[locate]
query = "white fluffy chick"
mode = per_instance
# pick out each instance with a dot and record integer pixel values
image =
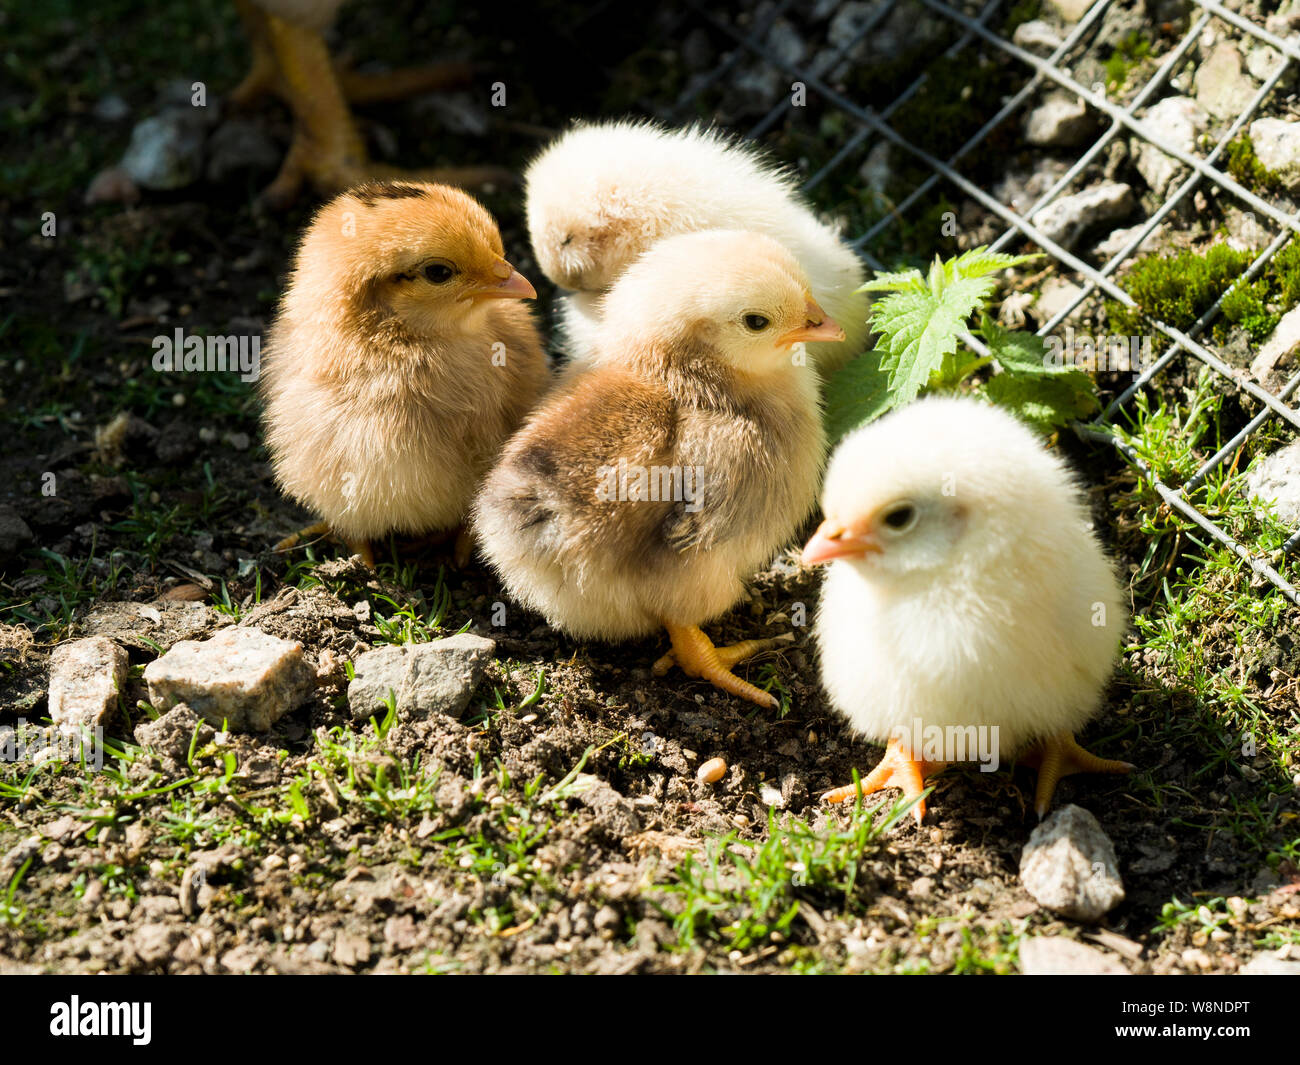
(965, 588)
(603, 193)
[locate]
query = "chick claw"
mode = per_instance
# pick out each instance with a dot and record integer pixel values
(1061, 756)
(897, 769)
(695, 653)
(322, 528)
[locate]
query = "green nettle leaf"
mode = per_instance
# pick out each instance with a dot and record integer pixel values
(919, 328)
(1046, 402)
(920, 321)
(1019, 352)
(857, 394)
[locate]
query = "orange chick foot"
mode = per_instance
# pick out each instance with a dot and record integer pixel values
(694, 652)
(897, 769)
(1061, 756)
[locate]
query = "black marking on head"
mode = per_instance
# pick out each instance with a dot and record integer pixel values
(373, 191)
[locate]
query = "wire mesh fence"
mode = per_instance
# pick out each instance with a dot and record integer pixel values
(965, 41)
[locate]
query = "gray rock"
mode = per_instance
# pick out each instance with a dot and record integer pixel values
(1059, 956)
(1275, 360)
(111, 108)
(240, 146)
(1267, 965)
(1065, 220)
(170, 735)
(1036, 36)
(1222, 87)
(1069, 866)
(424, 678)
(85, 679)
(1276, 479)
(166, 150)
(1263, 60)
(1277, 145)
(15, 534)
(1060, 121)
(1178, 120)
(876, 169)
(242, 676)
(1119, 239)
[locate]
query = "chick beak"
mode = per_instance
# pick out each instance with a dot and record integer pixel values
(507, 283)
(834, 539)
(818, 325)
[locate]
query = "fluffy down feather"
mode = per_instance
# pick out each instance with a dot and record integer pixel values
(388, 394)
(603, 193)
(995, 606)
(681, 384)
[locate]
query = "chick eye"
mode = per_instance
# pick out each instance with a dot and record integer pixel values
(757, 322)
(438, 272)
(900, 517)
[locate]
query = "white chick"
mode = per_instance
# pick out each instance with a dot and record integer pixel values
(603, 193)
(965, 589)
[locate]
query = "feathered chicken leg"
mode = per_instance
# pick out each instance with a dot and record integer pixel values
(695, 653)
(897, 769)
(327, 151)
(1061, 756)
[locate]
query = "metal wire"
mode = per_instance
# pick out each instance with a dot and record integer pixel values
(871, 124)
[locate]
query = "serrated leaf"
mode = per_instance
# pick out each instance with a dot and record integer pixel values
(856, 395)
(918, 329)
(1019, 352)
(903, 280)
(1045, 402)
(979, 262)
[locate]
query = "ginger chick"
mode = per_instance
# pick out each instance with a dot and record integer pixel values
(400, 361)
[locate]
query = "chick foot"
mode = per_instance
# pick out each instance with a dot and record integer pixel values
(1061, 756)
(327, 151)
(695, 653)
(322, 529)
(897, 769)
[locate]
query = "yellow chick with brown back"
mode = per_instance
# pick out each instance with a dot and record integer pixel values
(643, 493)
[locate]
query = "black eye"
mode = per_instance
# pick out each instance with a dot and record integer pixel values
(757, 322)
(901, 516)
(438, 273)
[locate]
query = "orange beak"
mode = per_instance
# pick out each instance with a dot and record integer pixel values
(818, 325)
(833, 539)
(509, 284)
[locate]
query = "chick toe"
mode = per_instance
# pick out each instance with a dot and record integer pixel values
(897, 769)
(696, 655)
(310, 532)
(1061, 756)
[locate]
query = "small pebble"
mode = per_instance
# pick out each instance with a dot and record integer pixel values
(711, 771)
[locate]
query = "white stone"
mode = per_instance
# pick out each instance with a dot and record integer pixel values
(1036, 36)
(1222, 87)
(1060, 121)
(1064, 220)
(1059, 956)
(1070, 11)
(1069, 866)
(86, 677)
(423, 678)
(241, 676)
(1177, 120)
(1276, 479)
(1277, 146)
